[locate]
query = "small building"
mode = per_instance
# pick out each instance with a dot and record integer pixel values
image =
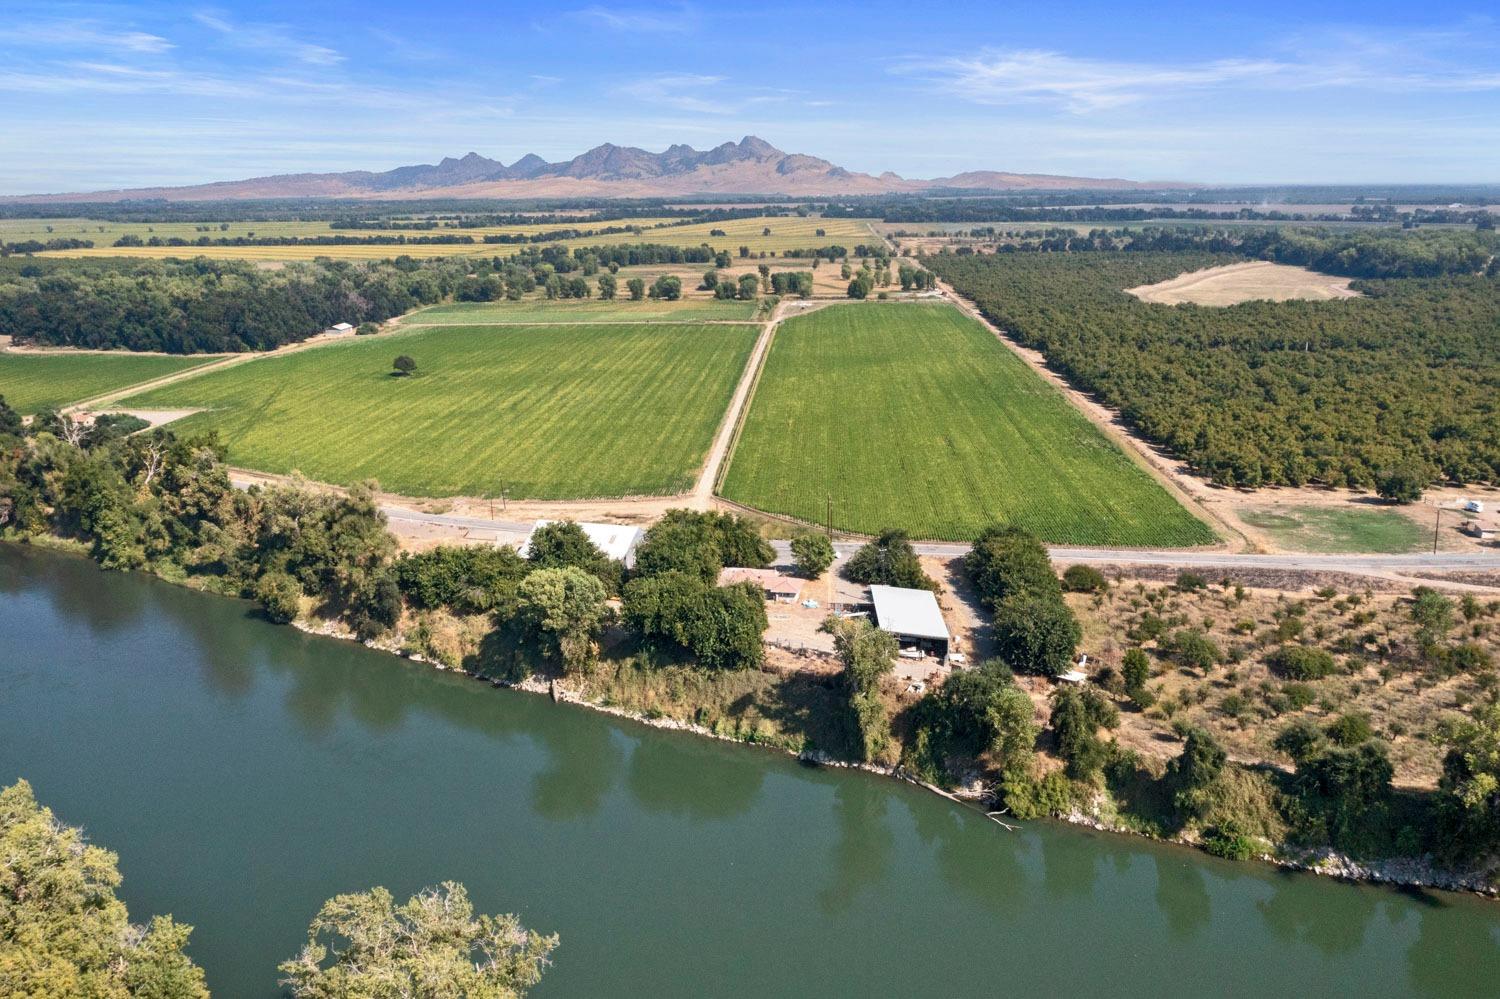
(913, 616)
(777, 587)
(339, 329)
(1475, 529)
(617, 541)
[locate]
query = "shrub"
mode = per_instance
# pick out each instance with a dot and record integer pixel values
(1194, 648)
(366, 329)
(1084, 579)
(889, 560)
(1229, 842)
(1350, 729)
(404, 365)
(280, 596)
(1190, 582)
(1301, 662)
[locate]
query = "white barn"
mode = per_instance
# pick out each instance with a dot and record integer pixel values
(913, 616)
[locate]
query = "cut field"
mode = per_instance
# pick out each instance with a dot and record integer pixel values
(915, 416)
(33, 382)
(544, 412)
(787, 233)
(535, 311)
(1337, 529)
(1256, 280)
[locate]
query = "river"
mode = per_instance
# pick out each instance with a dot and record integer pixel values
(245, 772)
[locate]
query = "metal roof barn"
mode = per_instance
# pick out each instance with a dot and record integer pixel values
(910, 615)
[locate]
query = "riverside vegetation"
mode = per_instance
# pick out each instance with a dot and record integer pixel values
(65, 933)
(684, 648)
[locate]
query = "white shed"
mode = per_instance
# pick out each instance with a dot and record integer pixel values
(913, 616)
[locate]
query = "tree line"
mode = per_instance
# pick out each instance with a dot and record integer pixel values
(1402, 383)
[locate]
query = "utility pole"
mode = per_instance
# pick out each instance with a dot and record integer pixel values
(830, 517)
(1436, 521)
(504, 497)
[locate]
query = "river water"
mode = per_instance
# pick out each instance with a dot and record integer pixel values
(245, 772)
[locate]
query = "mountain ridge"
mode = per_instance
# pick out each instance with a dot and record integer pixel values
(750, 166)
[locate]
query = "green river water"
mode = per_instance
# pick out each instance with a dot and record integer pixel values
(245, 772)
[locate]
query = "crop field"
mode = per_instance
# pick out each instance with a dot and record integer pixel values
(791, 233)
(595, 310)
(786, 234)
(1250, 281)
(915, 416)
(33, 382)
(544, 412)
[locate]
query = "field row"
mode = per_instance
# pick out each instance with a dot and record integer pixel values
(33, 382)
(545, 412)
(915, 416)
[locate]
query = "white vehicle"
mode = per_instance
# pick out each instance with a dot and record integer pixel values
(1474, 506)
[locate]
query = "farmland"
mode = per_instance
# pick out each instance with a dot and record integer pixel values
(914, 416)
(543, 412)
(33, 382)
(588, 310)
(787, 233)
(1250, 281)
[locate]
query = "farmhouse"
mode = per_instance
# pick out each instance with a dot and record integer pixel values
(913, 616)
(777, 587)
(615, 540)
(339, 329)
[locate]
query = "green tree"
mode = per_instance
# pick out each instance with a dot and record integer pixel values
(1193, 774)
(1077, 716)
(1469, 789)
(404, 365)
(868, 656)
(608, 286)
(1136, 670)
(566, 609)
(1006, 560)
(1403, 483)
(280, 596)
(1084, 579)
(1036, 634)
(889, 560)
(668, 288)
(813, 554)
(364, 945)
(563, 543)
(63, 932)
(637, 288)
(973, 712)
(749, 287)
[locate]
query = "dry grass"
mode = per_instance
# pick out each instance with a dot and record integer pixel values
(1258, 280)
(1371, 635)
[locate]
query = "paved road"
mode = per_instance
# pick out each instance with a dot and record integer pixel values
(1357, 564)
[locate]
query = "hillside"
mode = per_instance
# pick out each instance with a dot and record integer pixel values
(750, 166)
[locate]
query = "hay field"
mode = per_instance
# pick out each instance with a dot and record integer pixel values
(914, 416)
(791, 233)
(33, 382)
(547, 412)
(1256, 280)
(620, 310)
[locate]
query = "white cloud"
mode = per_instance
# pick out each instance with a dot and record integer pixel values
(683, 91)
(651, 20)
(83, 34)
(1082, 85)
(269, 38)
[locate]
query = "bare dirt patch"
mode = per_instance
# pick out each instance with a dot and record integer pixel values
(1256, 280)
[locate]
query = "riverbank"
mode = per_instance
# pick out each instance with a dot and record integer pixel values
(738, 706)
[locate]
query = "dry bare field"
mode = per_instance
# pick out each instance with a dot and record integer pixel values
(1256, 280)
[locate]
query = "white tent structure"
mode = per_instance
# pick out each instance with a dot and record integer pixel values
(913, 616)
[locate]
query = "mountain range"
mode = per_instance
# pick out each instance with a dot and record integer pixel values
(750, 166)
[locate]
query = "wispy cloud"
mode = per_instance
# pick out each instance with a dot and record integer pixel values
(1083, 85)
(82, 34)
(639, 20)
(703, 93)
(272, 39)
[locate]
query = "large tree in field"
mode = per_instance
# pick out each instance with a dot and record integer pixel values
(63, 932)
(430, 947)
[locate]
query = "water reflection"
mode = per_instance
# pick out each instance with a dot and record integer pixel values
(582, 765)
(1457, 951)
(693, 779)
(1291, 920)
(997, 878)
(865, 849)
(1181, 894)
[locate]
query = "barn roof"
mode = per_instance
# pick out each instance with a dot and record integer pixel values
(913, 613)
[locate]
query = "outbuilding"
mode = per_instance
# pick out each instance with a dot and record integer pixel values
(339, 329)
(776, 586)
(913, 616)
(617, 541)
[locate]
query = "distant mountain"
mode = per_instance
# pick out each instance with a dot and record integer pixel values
(750, 166)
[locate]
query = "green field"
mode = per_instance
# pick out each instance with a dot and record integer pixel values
(533, 311)
(546, 412)
(1338, 529)
(915, 416)
(32, 382)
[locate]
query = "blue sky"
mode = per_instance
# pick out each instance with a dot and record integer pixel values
(96, 95)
